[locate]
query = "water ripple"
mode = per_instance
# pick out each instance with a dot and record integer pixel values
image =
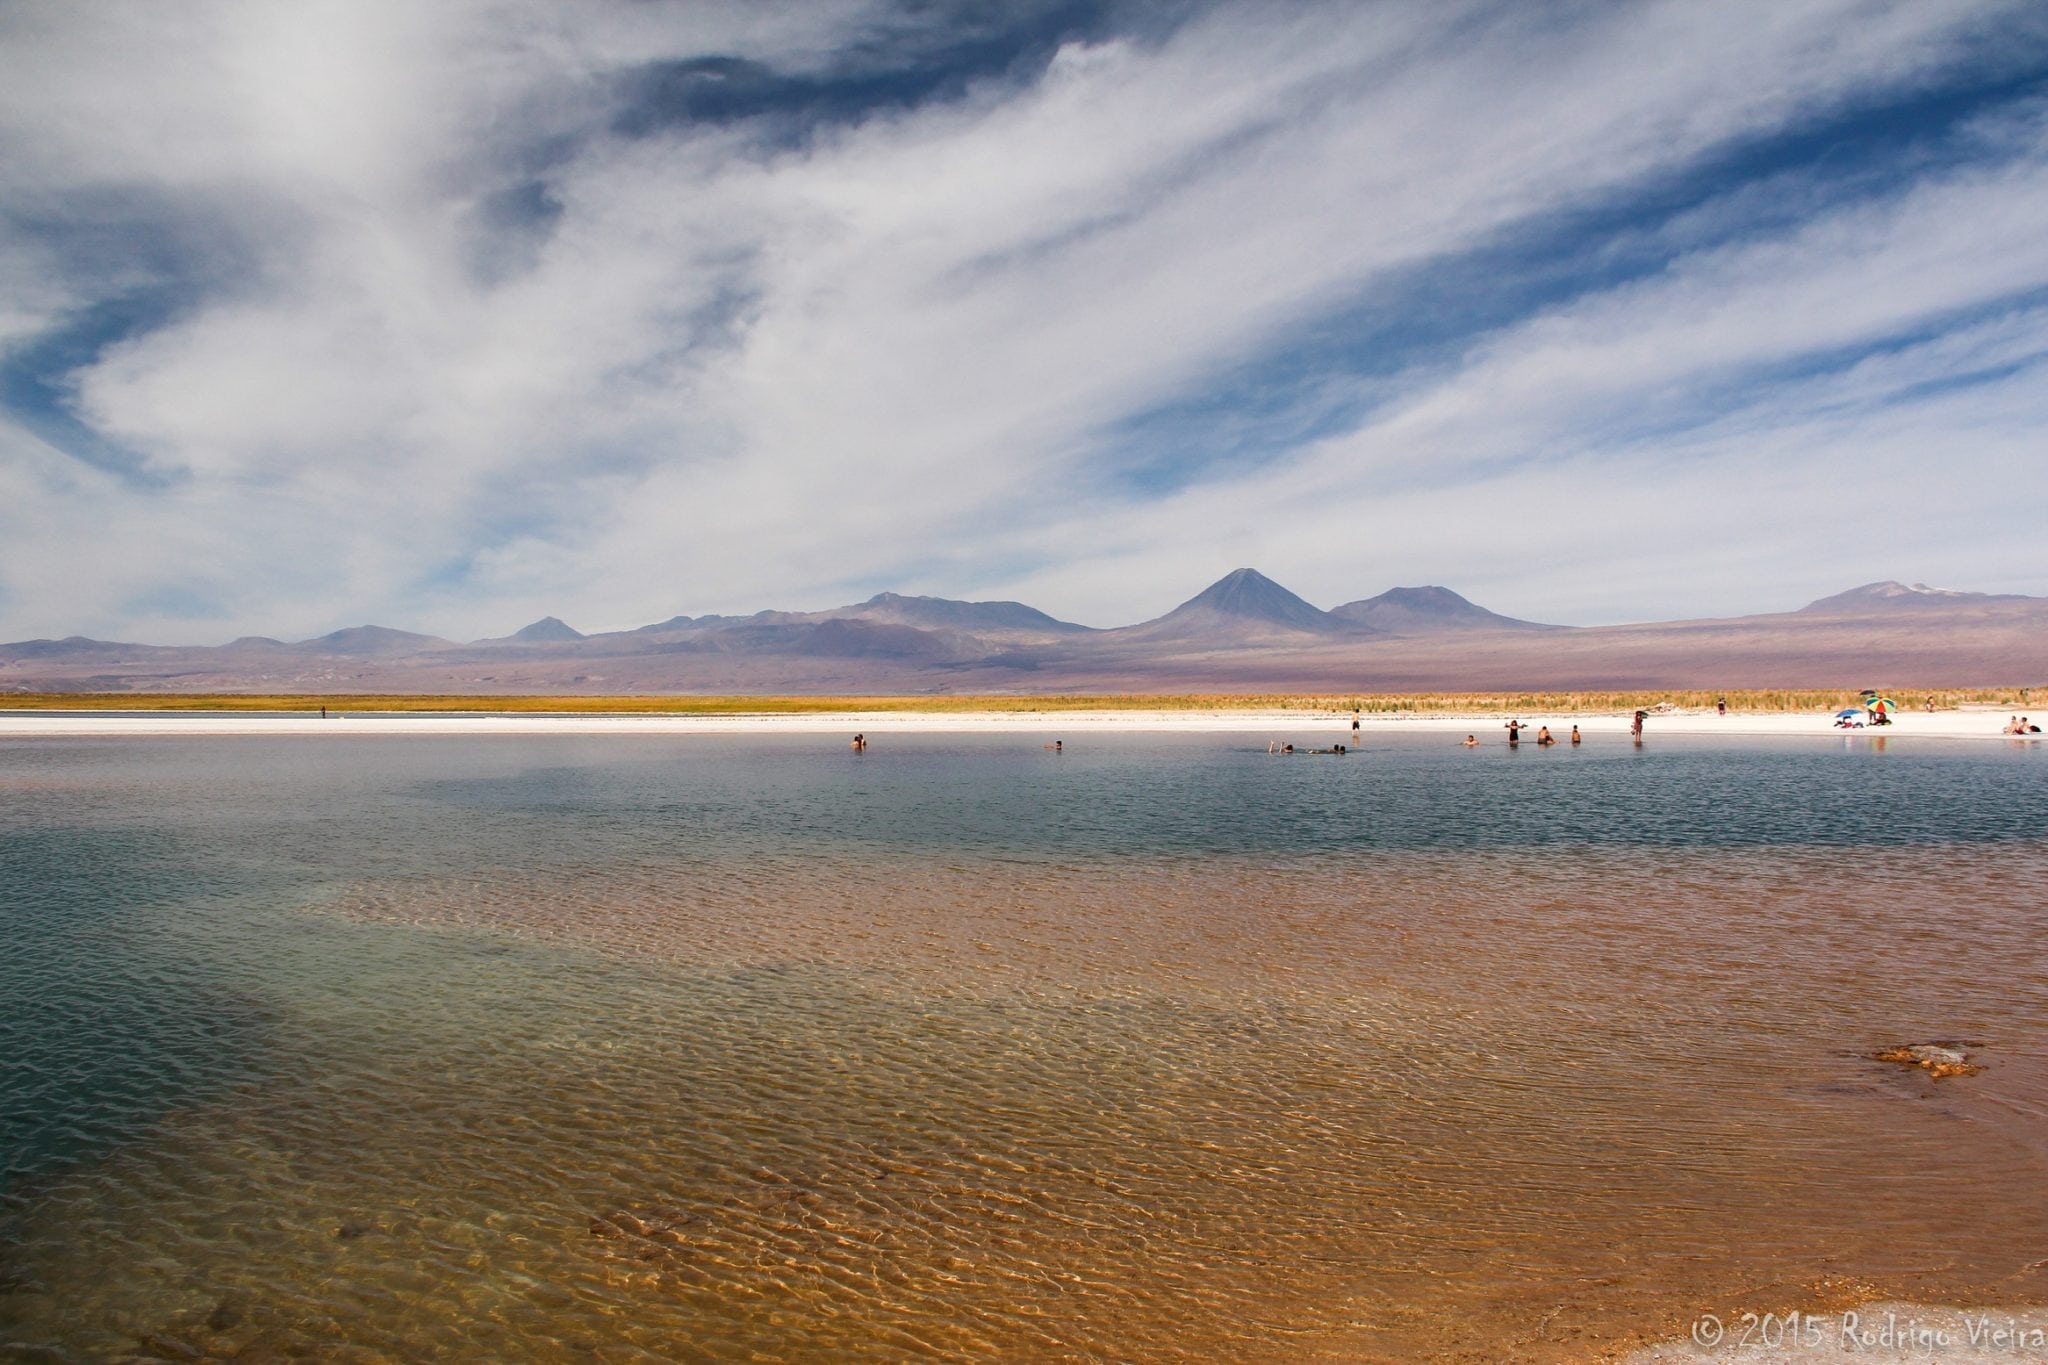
(361, 1061)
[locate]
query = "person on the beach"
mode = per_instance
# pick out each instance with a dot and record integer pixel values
(1721, 706)
(1575, 734)
(2012, 726)
(1514, 732)
(1635, 728)
(1543, 735)
(1471, 741)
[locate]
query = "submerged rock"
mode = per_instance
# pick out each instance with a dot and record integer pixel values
(164, 1346)
(1938, 1060)
(227, 1314)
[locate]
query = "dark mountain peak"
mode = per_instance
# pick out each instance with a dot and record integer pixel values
(373, 640)
(1249, 593)
(547, 630)
(1427, 610)
(1237, 609)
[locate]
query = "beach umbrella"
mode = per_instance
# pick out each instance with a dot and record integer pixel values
(1849, 713)
(1880, 705)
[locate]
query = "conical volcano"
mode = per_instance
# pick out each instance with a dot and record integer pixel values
(1242, 605)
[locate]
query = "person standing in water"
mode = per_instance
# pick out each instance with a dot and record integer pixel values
(1635, 728)
(1575, 734)
(1514, 732)
(860, 744)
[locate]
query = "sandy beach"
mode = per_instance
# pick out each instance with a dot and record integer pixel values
(1317, 726)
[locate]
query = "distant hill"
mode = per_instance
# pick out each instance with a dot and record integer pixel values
(1242, 603)
(1244, 632)
(831, 638)
(549, 630)
(71, 647)
(1427, 611)
(373, 641)
(1892, 595)
(944, 613)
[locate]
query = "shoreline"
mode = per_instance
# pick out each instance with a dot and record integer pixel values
(1319, 726)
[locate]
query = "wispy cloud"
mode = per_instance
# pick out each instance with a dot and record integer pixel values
(450, 316)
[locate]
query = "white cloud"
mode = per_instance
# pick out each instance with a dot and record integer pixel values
(712, 371)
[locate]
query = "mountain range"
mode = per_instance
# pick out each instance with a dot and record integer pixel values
(1244, 632)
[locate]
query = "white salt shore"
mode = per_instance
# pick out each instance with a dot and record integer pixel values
(1297, 726)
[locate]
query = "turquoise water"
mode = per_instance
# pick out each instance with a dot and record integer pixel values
(707, 1046)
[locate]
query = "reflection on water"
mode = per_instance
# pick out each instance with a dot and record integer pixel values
(488, 1050)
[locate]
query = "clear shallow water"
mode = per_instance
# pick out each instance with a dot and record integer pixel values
(709, 1047)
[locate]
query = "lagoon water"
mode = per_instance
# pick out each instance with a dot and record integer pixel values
(1160, 1048)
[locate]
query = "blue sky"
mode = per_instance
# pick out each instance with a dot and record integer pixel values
(450, 316)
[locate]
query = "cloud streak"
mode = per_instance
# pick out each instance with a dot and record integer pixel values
(451, 316)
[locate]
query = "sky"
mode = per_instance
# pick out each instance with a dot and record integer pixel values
(450, 316)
